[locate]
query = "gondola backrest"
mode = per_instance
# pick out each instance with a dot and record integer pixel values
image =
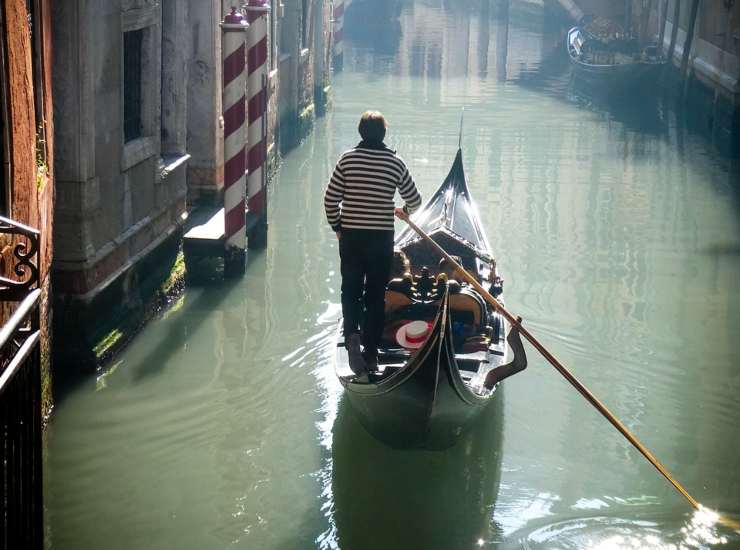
(467, 306)
(398, 293)
(395, 300)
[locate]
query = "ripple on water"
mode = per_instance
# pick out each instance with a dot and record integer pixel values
(699, 531)
(223, 424)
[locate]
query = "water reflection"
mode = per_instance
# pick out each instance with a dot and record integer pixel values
(375, 25)
(698, 532)
(616, 228)
(385, 498)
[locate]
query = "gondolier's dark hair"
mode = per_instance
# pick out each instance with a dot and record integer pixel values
(372, 126)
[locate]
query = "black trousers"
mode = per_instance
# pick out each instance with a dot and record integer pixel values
(366, 257)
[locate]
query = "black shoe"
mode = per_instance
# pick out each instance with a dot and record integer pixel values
(371, 361)
(356, 362)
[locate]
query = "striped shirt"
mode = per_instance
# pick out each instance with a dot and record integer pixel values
(364, 182)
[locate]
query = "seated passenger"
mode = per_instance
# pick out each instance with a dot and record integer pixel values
(449, 269)
(400, 264)
(401, 286)
(468, 307)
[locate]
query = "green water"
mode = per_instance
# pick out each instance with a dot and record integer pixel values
(618, 235)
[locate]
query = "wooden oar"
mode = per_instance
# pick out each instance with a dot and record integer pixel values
(583, 390)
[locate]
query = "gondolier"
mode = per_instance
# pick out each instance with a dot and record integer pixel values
(444, 348)
(359, 203)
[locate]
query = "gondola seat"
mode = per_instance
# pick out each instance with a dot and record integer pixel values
(395, 300)
(398, 294)
(467, 308)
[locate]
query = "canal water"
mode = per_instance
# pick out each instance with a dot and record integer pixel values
(617, 232)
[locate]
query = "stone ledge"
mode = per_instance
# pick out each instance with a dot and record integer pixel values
(134, 18)
(170, 163)
(81, 198)
(137, 151)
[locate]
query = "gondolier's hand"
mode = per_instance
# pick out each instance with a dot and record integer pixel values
(339, 235)
(401, 214)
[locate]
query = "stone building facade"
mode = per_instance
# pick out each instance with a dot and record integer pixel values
(121, 134)
(27, 145)
(140, 142)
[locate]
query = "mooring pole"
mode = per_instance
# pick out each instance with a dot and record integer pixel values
(688, 42)
(645, 14)
(338, 35)
(233, 41)
(663, 18)
(628, 16)
(502, 40)
(258, 12)
(674, 29)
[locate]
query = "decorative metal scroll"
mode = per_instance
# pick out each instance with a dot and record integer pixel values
(20, 257)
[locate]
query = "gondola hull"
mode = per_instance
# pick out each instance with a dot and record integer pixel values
(428, 398)
(425, 404)
(611, 76)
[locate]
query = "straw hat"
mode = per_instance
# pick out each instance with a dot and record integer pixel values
(413, 335)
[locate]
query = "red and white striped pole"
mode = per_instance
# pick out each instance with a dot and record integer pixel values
(338, 17)
(257, 48)
(233, 35)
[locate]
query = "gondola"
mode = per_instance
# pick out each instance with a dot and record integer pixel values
(429, 397)
(610, 59)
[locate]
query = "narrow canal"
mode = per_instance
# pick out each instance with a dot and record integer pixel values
(618, 234)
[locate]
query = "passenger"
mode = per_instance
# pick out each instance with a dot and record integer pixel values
(400, 289)
(449, 269)
(401, 265)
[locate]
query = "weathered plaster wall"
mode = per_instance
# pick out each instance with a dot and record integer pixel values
(292, 84)
(175, 72)
(716, 45)
(118, 200)
(204, 132)
(303, 67)
(108, 187)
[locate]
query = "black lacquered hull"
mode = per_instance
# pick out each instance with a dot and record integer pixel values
(612, 77)
(426, 404)
(422, 401)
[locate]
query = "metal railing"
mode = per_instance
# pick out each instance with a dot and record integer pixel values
(21, 506)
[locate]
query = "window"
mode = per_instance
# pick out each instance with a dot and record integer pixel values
(132, 64)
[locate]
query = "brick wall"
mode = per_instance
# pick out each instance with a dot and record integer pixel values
(32, 196)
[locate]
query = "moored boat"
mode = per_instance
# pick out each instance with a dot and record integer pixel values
(603, 54)
(428, 395)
